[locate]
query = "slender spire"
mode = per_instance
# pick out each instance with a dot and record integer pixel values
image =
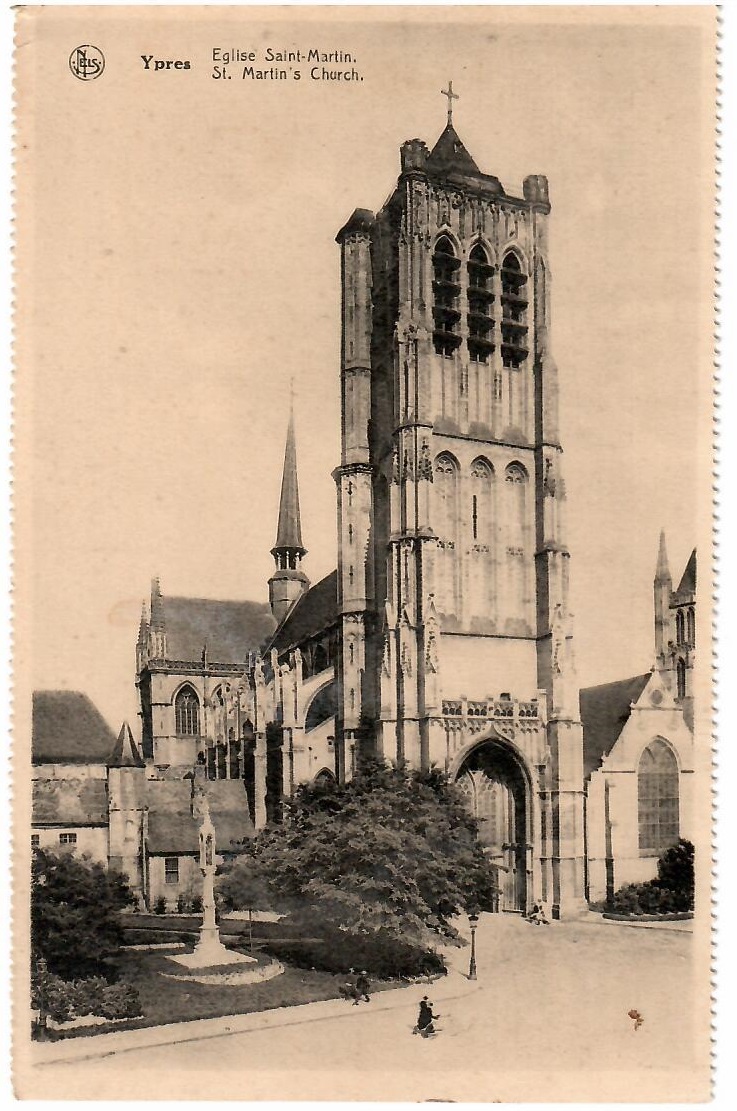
(125, 754)
(662, 572)
(157, 606)
(143, 626)
(289, 528)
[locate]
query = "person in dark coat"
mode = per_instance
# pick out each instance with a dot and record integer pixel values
(425, 1019)
(362, 987)
(349, 990)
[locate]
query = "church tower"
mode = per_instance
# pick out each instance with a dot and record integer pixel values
(288, 581)
(453, 568)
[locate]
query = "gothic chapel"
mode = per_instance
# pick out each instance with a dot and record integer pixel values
(445, 637)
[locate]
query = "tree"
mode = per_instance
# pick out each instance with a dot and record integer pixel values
(75, 914)
(391, 854)
(676, 873)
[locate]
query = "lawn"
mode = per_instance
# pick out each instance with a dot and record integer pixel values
(165, 999)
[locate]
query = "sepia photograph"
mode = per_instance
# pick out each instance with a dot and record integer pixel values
(363, 546)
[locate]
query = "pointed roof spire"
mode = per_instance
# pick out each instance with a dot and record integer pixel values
(143, 625)
(125, 754)
(289, 528)
(662, 572)
(158, 620)
(687, 585)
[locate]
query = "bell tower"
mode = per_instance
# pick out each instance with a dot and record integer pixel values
(288, 581)
(456, 624)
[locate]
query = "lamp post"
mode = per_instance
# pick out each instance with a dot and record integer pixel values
(473, 922)
(42, 1030)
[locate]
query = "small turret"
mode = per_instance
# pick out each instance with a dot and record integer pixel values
(158, 622)
(662, 587)
(126, 777)
(142, 642)
(125, 754)
(288, 581)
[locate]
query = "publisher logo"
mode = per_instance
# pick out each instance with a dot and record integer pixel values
(87, 62)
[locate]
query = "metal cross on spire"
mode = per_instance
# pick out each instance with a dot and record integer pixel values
(451, 97)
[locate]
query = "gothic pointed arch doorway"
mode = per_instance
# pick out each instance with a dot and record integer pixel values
(495, 783)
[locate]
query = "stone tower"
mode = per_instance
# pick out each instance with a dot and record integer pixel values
(453, 568)
(675, 629)
(126, 793)
(288, 581)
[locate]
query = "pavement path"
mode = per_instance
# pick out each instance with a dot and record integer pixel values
(547, 1018)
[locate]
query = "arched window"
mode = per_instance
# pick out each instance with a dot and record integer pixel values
(516, 513)
(482, 538)
(446, 292)
(681, 679)
(480, 296)
(657, 798)
(187, 713)
(514, 311)
(445, 493)
(680, 637)
(691, 626)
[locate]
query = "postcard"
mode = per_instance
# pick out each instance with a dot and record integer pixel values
(363, 645)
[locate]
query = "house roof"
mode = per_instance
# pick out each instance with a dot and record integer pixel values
(687, 585)
(230, 629)
(70, 802)
(604, 711)
(314, 612)
(69, 729)
(173, 829)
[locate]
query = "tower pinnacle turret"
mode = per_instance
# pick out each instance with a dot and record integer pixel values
(288, 581)
(662, 587)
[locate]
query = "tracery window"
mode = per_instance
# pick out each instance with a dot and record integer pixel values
(691, 626)
(445, 492)
(187, 713)
(657, 798)
(480, 297)
(515, 481)
(680, 637)
(446, 293)
(681, 678)
(514, 311)
(482, 539)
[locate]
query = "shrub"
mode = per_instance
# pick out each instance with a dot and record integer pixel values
(65, 1000)
(672, 892)
(160, 905)
(381, 955)
(76, 906)
(197, 904)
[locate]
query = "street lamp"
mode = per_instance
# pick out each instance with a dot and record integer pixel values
(473, 922)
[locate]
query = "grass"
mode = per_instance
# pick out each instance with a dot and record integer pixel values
(166, 1000)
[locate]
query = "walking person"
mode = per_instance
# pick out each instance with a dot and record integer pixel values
(363, 985)
(348, 989)
(425, 1019)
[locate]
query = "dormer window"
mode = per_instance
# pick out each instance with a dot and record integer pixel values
(446, 294)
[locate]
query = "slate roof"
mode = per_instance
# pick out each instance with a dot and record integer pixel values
(314, 612)
(125, 754)
(687, 585)
(172, 828)
(604, 712)
(70, 802)
(449, 157)
(289, 527)
(68, 728)
(230, 629)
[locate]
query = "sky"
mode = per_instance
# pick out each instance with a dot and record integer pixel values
(177, 239)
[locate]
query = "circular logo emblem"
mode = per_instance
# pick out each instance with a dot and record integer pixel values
(87, 62)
